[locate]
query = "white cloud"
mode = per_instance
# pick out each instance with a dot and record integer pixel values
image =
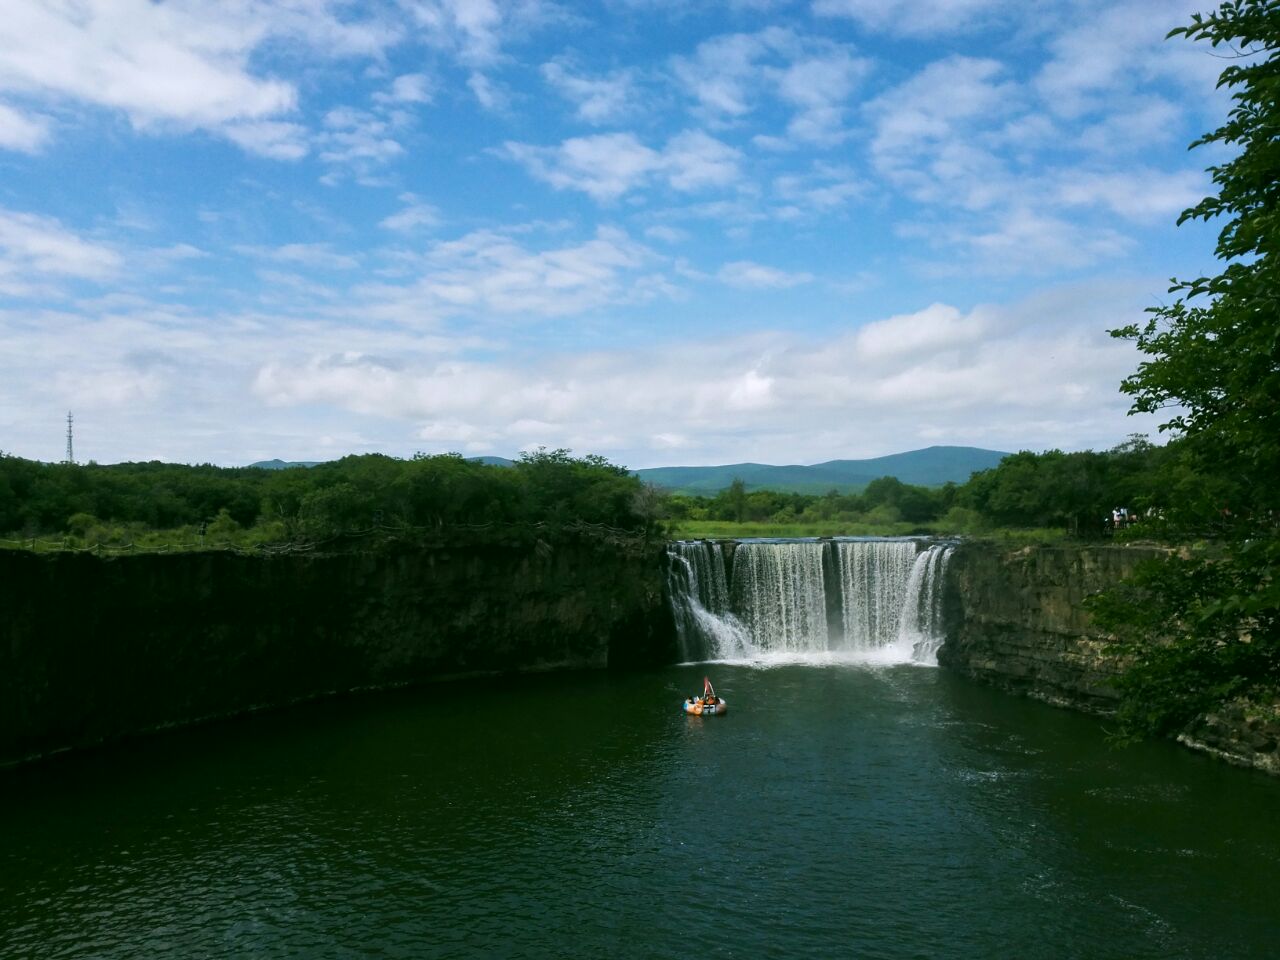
(929, 132)
(693, 160)
(939, 101)
(996, 376)
(36, 245)
(488, 93)
(1135, 194)
(729, 76)
(598, 99)
(823, 189)
(180, 65)
(274, 139)
(159, 63)
(1020, 240)
(911, 17)
(666, 234)
(1135, 125)
(473, 28)
(818, 87)
(475, 31)
(723, 72)
(408, 88)
(491, 273)
(920, 334)
(606, 166)
(1118, 48)
(757, 276)
(414, 215)
(26, 133)
(318, 256)
(357, 139)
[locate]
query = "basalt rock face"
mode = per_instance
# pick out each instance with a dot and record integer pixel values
(94, 649)
(1241, 731)
(1018, 620)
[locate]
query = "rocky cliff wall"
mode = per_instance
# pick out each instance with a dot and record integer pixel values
(93, 649)
(1017, 620)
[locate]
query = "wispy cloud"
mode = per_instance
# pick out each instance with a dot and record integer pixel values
(757, 276)
(414, 215)
(730, 75)
(912, 17)
(408, 88)
(318, 256)
(24, 132)
(493, 274)
(597, 99)
(606, 166)
(35, 247)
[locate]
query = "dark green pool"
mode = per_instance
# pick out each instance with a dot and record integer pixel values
(836, 811)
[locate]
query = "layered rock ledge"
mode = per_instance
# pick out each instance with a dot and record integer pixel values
(1017, 621)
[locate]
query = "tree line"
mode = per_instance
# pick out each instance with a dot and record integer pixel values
(1075, 492)
(95, 501)
(1203, 626)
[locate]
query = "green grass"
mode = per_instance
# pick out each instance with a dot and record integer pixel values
(729, 530)
(124, 540)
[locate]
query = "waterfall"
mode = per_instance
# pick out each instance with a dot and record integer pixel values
(866, 600)
(779, 592)
(875, 577)
(699, 588)
(922, 616)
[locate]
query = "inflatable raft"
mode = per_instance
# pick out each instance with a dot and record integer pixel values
(708, 703)
(700, 706)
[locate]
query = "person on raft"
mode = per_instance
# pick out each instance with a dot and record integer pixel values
(708, 693)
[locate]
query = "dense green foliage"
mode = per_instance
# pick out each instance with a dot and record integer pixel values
(1205, 628)
(1073, 492)
(93, 503)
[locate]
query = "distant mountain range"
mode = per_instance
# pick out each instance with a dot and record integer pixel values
(930, 467)
(284, 464)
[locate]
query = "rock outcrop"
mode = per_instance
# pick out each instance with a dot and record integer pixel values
(1017, 620)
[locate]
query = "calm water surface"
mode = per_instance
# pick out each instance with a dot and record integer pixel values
(836, 811)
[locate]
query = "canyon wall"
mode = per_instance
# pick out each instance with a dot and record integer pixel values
(1016, 620)
(93, 649)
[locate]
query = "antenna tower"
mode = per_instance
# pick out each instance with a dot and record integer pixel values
(71, 457)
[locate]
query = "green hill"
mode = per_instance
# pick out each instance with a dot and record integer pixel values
(930, 467)
(284, 464)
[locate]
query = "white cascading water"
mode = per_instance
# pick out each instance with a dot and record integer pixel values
(874, 578)
(780, 595)
(699, 588)
(922, 627)
(775, 606)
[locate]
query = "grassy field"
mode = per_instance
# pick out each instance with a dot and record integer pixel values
(729, 530)
(133, 539)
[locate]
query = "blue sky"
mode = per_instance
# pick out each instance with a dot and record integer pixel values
(666, 232)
